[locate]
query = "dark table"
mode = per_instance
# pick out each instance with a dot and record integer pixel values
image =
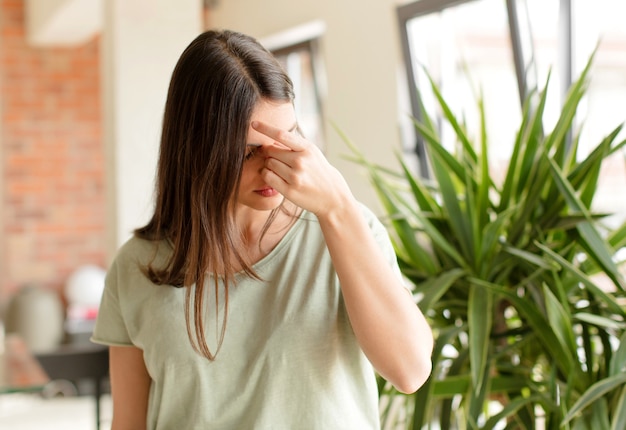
(75, 362)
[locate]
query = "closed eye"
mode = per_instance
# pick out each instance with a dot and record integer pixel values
(251, 151)
(253, 148)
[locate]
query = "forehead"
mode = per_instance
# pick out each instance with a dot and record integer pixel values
(278, 114)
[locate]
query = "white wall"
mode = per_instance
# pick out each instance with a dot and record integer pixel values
(3, 258)
(141, 42)
(362, 56)
(57, 23)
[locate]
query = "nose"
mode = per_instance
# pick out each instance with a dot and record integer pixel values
(261, 152)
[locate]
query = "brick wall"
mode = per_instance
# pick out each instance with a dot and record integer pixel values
(52, 158)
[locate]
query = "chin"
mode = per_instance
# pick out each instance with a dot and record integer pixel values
(265, 204)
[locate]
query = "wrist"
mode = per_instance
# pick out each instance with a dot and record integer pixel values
(340, 214)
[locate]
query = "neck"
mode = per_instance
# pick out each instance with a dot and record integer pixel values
(257, 240)
(251, 224)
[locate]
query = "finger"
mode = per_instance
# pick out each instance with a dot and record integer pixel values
(285, 155)
(274, 180)
(280, 169)
(284, 137)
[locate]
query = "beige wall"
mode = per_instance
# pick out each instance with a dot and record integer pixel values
(361, 53)
(141, 42)
(2, 196)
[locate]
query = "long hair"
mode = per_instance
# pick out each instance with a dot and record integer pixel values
(217, 82)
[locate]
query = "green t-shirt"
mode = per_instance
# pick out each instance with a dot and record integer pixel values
(289, 360)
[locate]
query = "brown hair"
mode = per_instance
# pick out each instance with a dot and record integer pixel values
(218, 80)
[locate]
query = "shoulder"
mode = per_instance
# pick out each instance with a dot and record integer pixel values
(136, 254)
(143, 251)
(379, 230)
(369, 214)
(374, 221)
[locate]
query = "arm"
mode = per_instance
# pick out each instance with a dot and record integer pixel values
(130, 386)
(389, 326)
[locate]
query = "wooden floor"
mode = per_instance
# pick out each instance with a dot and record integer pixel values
(32, 412)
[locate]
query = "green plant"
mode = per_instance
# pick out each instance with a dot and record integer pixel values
(508, 276)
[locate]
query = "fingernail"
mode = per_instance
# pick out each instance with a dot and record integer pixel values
(254, 124)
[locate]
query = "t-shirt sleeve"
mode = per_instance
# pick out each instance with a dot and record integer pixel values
(384, 241)
(110, 328)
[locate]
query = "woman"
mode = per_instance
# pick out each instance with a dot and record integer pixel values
(261, 294)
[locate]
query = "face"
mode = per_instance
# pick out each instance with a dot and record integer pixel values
(253, 191)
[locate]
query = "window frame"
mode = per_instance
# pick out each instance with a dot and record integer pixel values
(305, 37)
(523, 61)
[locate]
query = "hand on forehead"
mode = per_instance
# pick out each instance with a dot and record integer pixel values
(284, 139)
(272, 123)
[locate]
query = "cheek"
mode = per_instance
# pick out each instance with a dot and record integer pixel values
(251, 170)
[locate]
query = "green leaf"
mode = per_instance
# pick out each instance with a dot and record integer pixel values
(599, 418)
(452, 120)
(405, 233)
(426, 394)
(595, 392)
(529, 142)
(456, 217)
(483, 204)
(560, 321)
(619, 417)
(406, 236)
(504, 274)
(618, 361)
(432, 289)
(599, 321)
(491, 244)
(510, 408)
(458, 384)
(434, 145)
(425, 201)
(586, 175)
(568, 110)
(617, 238)
(531, 258)
(479, 318)
(438, 239)
(540, 325)
(597, 247)
(604, 298)
(507, 196)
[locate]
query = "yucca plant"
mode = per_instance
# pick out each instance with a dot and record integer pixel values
(507, 274)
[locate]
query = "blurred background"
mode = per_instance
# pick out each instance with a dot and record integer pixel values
(83, 84)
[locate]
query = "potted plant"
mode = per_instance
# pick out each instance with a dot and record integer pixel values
(507, 273)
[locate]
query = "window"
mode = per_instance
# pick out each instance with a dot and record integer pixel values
(505, 48)
(298, 52)
(601, 22)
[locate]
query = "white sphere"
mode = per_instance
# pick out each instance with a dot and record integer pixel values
(85, 285)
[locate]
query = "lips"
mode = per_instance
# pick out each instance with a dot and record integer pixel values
(266, 192)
